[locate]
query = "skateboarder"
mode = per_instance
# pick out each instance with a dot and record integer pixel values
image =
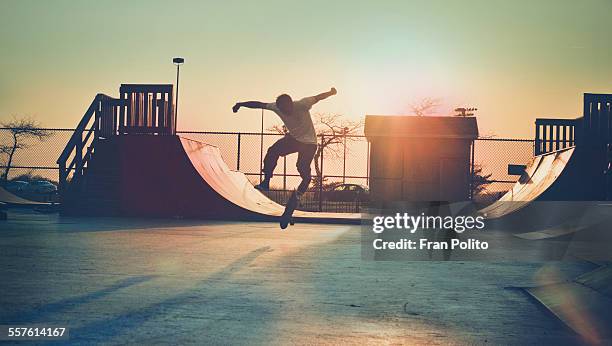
(301, 138)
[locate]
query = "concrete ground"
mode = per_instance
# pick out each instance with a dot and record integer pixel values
(118, 281)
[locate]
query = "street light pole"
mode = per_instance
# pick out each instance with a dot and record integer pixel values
(178, 62)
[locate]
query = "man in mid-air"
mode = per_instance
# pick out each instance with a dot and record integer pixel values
(301, 138)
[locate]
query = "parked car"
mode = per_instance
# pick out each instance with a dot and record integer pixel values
(347, 193)
(16, 186)
(41, 187)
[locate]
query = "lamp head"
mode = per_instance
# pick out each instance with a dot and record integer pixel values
(178, 61)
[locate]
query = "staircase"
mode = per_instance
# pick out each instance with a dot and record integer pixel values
(97, 191)
(90, 164)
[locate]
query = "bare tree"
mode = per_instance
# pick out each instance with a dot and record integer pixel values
(332, 131)
(21, 131)
(426, 106)
(281, 129)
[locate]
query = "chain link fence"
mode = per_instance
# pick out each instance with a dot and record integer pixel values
(33, 158)
(491, 159)
(344, 163)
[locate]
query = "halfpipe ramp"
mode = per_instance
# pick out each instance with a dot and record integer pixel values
(172, 176)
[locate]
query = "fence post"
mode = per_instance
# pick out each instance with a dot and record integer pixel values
(238, 153)
(261, 135)
(368, 164)
(403, 161)
(344, 161)
(321, 176)
(285, 172)
(471, 192)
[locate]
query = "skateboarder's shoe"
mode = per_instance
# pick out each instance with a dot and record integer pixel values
(263, 186)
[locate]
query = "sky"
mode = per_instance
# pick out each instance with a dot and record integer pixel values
(513, 60)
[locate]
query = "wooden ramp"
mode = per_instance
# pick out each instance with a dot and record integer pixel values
(10, 199)
(172, 176)
(234, 186)
(540, 176)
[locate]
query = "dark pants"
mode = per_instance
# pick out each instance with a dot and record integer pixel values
(289, 145)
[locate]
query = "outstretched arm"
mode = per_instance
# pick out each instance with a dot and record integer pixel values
(323, 96)
(249, 104)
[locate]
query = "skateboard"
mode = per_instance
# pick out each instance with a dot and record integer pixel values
(287, 218)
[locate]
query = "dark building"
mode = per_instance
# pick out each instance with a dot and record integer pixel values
(420, 158)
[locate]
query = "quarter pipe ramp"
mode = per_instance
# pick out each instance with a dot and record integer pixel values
(535, 184)
(14, 200)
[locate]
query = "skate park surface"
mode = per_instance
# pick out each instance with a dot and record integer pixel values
(143, 281)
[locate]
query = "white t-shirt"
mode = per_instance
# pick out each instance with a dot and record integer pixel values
(299, 123)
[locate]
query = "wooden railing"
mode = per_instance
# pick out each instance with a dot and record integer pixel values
(554, 134)
(141, 108)
(598, 120)
(97, 122)
(148, 109)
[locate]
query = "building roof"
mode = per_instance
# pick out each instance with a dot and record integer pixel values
(421, 126)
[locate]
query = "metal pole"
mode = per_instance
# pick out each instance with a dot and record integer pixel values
(403, 161)
(238, 154)
(368, 165)
(471, 195)
(344, 162)
(285, 173)
(321, 177)
(178, 66)
(261, 147)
